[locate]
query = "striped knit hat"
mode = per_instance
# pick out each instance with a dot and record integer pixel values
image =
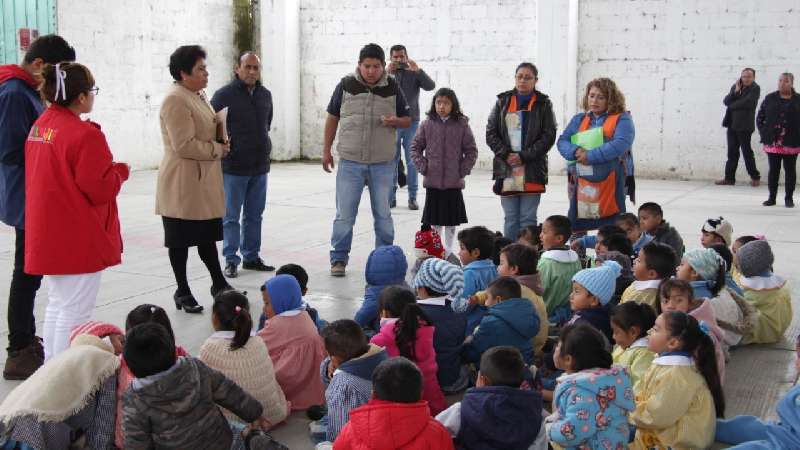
(440, 276)
(95, 328)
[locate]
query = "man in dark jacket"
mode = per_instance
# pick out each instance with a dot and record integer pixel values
(740, 114)
(411, 78)
(245, 169)
(20, 106)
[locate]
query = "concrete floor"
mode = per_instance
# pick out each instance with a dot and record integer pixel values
(297, 228)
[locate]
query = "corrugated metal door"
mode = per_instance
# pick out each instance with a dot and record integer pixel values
(21, 21)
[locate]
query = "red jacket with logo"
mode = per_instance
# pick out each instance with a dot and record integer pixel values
(382, 425)
(71, 184)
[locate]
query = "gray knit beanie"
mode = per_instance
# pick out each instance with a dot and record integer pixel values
(755, 258)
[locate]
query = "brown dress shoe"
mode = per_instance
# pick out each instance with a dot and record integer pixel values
(755, 182)
(22, 363)
(724, 182)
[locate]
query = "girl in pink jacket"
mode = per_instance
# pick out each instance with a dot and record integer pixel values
(406, 331)
(444, 151)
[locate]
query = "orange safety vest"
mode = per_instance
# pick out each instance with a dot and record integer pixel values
(598, 198)
(609, 126)
(530, 188)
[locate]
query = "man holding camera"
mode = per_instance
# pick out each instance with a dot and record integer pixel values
(741, 103)
(411, 79)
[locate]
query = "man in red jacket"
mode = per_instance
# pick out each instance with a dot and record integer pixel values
(20, 106)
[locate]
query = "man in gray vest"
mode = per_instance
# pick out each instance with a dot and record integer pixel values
(370, 107)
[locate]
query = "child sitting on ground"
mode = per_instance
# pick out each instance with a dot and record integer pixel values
(735, 315)
(406, 331)
(295, 347)
(727, 256)
(556, 267)
(529, 235)
(395, 416)
(651, 219)
(592, 289)
(386, 266)
(584, 243)
(677, 295)
(629, 223)
(768, 293)
(299, 274)
(477, 246)
(347, 373)
(737, 244)
(631, 321)
(625, 277)
(716, 231)
(243, 358)
(500, 242)
(437, 283)
(519, 262)
(427, 244)
(510, 320)
(496, 413)
(592, 400)
(172, 403)
(656, 262)
(681, 395)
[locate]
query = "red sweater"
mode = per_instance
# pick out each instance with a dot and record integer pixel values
(71, 184)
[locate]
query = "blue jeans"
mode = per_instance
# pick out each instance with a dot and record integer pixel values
(404, 138)
(748, 431)
(520, 211)
(249, 192)
(350, 179)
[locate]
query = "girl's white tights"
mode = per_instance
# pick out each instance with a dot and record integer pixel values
(447, 235)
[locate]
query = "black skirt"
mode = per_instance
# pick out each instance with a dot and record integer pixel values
(444, 207)
(189, 233)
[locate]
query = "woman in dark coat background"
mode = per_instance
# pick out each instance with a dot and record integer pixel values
(778, 124)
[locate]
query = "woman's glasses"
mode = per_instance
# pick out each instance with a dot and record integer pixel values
(95, 90)
(524, 78)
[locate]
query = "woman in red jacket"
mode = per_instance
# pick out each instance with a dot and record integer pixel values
(71, 184)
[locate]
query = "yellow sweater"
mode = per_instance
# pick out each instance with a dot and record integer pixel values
(674, 407)
(772, 300)
(637, 358)
(541, 310)
(642, 292)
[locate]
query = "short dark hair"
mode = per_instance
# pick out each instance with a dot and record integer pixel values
(527, 65)
(652, 208)
(618, 243)
(344, 339)
(297, 271)
(521, 256)
(398, 48)
(149, 313)
(751, 70)
(609, 229)
(666, 287)
(586, 345)
(397, 380)
(149, 349)
(561, 225)
(371, 51)
(503, 366)
(478, 238)
(455, 112)
(631, 314)
(500, 242)
(50, 48)
(505, 287)
(183, 59)
(661, 258)
(629, 218)
(726, 254)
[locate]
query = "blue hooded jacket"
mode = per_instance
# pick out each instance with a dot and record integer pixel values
(386, 266)
(511, 322)
(499, 418)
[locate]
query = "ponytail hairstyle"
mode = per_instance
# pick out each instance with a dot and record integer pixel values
(64, 82)
(232, 310)
(400, 303)
(586, 345)
(149, 313)
(696, 341)
(631, 314)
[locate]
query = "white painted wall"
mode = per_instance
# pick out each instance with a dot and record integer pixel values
(126, 44)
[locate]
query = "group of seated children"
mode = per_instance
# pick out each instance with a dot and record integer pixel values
(641, 337)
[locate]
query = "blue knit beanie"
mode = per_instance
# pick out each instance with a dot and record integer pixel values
(600, 281)
(440, 276)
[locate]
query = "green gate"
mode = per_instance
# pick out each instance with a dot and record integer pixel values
(21, 21)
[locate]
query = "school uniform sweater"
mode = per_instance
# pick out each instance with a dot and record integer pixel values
(637, 358)
(642, 292)
(556, 268)
(771, 298)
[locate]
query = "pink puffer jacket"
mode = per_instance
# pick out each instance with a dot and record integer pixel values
(444, 152)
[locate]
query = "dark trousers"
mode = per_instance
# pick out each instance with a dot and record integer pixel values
(736, 140)
(774, 175)
(21, 323)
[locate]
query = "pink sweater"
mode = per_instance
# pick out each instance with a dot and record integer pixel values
(425, 360)
(297, 351)
(705, 312)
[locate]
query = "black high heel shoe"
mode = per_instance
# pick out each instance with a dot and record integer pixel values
(187, 303)
(215, 291)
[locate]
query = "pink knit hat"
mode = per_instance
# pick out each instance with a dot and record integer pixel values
(95, 328)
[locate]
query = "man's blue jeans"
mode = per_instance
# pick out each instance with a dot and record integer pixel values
(520, 211)
(248, 193)
(350, 180)
(404, 138)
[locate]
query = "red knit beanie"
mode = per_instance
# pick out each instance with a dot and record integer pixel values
(428, 239)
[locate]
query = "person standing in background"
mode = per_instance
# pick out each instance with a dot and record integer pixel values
(779, 126)
(741, 103)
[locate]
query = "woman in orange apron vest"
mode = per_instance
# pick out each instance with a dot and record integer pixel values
(599, 176)
(520, 132)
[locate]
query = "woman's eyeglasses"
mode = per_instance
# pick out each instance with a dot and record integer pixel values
(95, 90)
(524, 78)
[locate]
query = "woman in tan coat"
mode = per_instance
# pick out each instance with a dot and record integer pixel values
(189, 196)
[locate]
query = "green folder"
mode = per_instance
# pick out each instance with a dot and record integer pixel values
(588, 139)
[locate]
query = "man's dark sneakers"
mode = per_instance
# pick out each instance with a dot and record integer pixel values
(258, 265)
(22, 363)
(724, 182)
(790, 203)
(412, 205)
(338, 269)
(769, 202)
(231, 271)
